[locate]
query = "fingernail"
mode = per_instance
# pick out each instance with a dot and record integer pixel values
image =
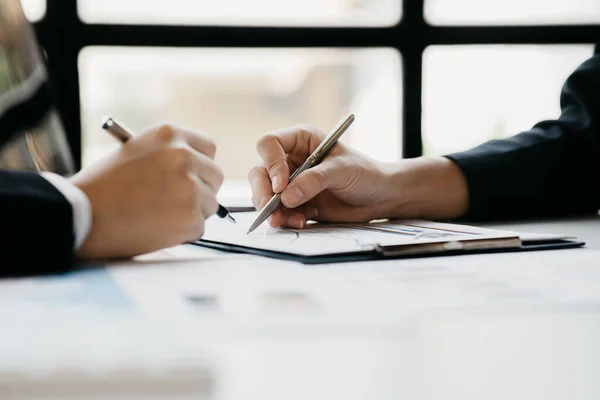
(292, 198)
(275, 183)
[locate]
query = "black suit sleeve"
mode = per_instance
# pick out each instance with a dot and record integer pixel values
(36, 226)
(553, 169)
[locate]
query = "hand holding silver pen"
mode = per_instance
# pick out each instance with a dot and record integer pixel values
(345, 186)
(316, 157)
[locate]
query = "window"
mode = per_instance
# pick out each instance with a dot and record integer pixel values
(237, 95)
(34, 9)
(243, 12)
(422, 76)
(473, 94)
(512, 12)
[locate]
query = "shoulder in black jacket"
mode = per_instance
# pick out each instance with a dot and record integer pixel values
(553, 169)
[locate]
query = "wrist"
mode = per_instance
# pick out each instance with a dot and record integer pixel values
(393, 200)
(424, 187)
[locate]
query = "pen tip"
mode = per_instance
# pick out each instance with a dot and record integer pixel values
(231, 219)
(106, 121)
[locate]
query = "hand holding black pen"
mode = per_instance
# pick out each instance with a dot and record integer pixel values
(155, 192)
(122, 134)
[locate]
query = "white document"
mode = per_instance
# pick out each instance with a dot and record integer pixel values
(323, 239)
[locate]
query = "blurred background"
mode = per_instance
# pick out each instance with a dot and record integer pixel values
(236, 95)
(466, 93)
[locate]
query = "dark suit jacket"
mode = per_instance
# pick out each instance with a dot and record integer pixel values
(36, 226)
(553, 169)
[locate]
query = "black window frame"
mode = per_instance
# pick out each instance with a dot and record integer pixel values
(63, 35)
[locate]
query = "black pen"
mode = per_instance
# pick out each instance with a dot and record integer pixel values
(122, 134)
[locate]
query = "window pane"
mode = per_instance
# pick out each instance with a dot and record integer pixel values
(472, 94)
(236, 95)
(511, 12)
(243, 12)
(34, 9)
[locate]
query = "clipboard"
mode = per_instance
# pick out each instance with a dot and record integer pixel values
(380, 240)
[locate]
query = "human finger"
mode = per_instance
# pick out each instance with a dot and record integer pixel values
(206, 199)
(262, 193)
(273, 148)
(307, 185)
(261, 187)
(283, 217)
(274, 157)
(310, 212)
(199, 141)
(206, 169)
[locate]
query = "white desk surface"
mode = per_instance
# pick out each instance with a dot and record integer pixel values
(586, 229)
(495, 326)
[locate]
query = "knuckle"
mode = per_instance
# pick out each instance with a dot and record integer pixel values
(305, 128)
(166, 132)
(342, 163)
(274, 165)
(320, 178)
(252, 174)
(220, 176)
(255, 173)
(211, 146)
(178, 157)
(212, 174)
(188, 186)
(264, 140)
(309, 130)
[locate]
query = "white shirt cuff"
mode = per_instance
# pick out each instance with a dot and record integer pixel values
(82, 209)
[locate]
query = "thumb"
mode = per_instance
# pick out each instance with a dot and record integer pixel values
(306, 186)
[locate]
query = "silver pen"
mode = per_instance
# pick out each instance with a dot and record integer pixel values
(122, 134)
(315, 158)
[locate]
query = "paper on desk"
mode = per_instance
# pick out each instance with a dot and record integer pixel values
(322, 239)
